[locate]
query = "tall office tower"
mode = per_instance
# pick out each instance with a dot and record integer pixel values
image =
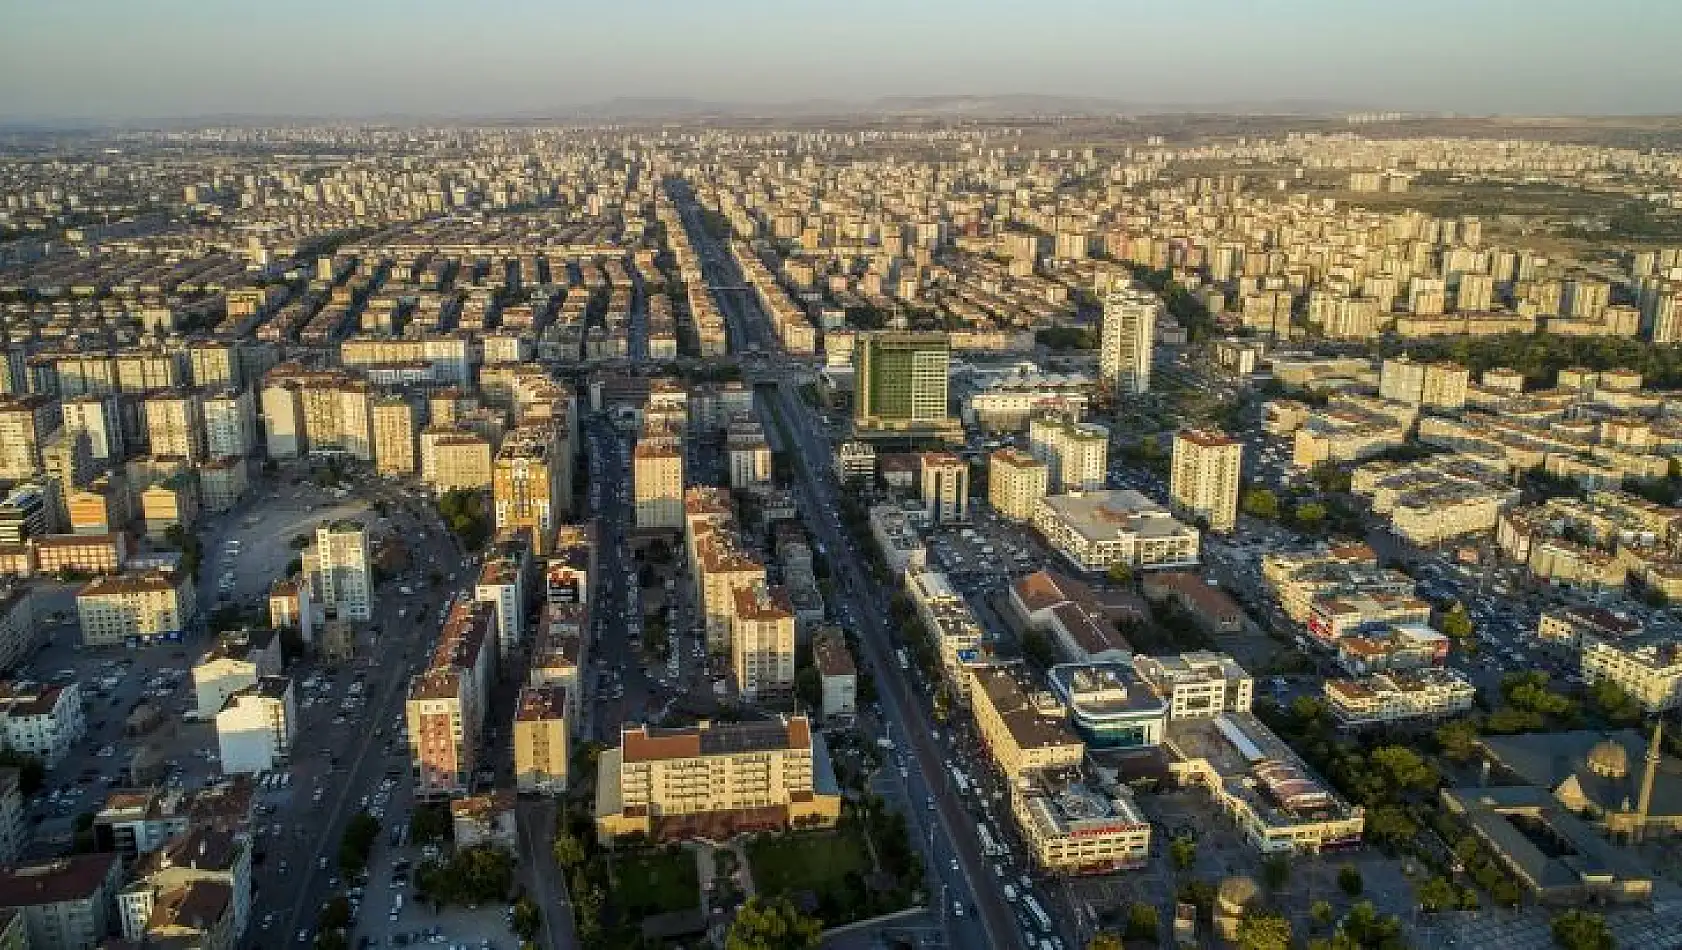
(1205, 476)
(902, 382)
(230, 423)
(344, 572)
(1076, 454)
(1441, 385)
(762, 642)
(97, 417)
(394, 436)
(1476, 293)
(525, 483)
(1124, 346)
(944, 480)
(1016, 481)
(175, 424)
(657, 481)
(25, 422)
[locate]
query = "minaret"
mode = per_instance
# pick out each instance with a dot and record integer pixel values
(1647, 778)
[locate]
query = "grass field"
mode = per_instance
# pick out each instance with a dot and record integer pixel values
(808, 861)
(656, 882)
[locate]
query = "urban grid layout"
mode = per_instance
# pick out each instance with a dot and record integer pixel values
(964, 525)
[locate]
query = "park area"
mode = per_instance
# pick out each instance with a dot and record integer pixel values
(648, 883)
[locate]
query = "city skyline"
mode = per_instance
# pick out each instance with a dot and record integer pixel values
(108, 61)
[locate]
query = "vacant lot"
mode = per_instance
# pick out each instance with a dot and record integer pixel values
(656, 882)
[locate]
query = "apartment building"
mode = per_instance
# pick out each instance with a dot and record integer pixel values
(944, 483)
(445, 711)
(503, 583)
(19, 633)
(455, 459)
(948, 622)
(715, 780)
(837, 676)
(657, 484)
(721, 567)
(236, 662)
(1649, 669)
(255, 728)
(1399, 696)
(395, 426)
(1204, 477)
(341, 570)
(527, 482)
(1023, 726)
(541, 747)
(1016, 481)
(762, 642)
(25, 424)
(136, 608)
(175, 424)
(230, 424)
(65, 903)
(1076, 454)
(96, 417)
(1438, 385)
(1126, 338)
(42, 721)
(1095, 530)
(14, 833)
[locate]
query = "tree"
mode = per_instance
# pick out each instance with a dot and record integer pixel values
(1142, 922)
(1321, 913)
(1438, 894)
(1260, 930)
(1037, 648)
(1260, 503)
(1349, 880)
(1275, 871)
(1108, 940)
(1581, 930)
(1404, 768)
(335, 914)
(772, 925)
(358, 842)
(429, 824)
(1309, 514)
(1456, 622)
(464, 513)
(1183, 851)
(527, 918)
(569, 851)
(1458, 739)
(1120, 574)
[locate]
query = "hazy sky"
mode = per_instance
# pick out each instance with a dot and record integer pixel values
(172, 58)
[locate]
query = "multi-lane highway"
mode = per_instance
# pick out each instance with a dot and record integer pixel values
(959, 876)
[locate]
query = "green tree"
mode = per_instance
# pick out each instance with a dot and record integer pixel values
(1108, 940)
(569, 851)
(1260, 930)
(1438, 894)
(1581, 930)
(808, 685)
(1142, 922)
(772, 925)
(1260, 503)
(1036, 646)
(1404, 768)
(528, 920)
(1183, 851)
(1275, 871)
(1349, 880)
(358, 842)
(1458, 739)
(335, 914)
(1120, 574)
(1456, 622)
(429, 824)
(1309, 514)
(1321, 913)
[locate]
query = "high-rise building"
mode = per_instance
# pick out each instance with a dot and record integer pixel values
(230, 423)
(97, 416)
(902, 382)
(1016, 481)
(541, 746)
(1076, 454)
(944, 482)
(1205, 477)
(344, 579)
(657, 480)
(25, 423)
(1124, 345)
(175, 425)
(394, 436)
(762, 642)
(526, 483)
(447, 702)
(1440, 385)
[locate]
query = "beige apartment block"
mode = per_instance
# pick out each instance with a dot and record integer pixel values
(1016, 481)
(1205, 475)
